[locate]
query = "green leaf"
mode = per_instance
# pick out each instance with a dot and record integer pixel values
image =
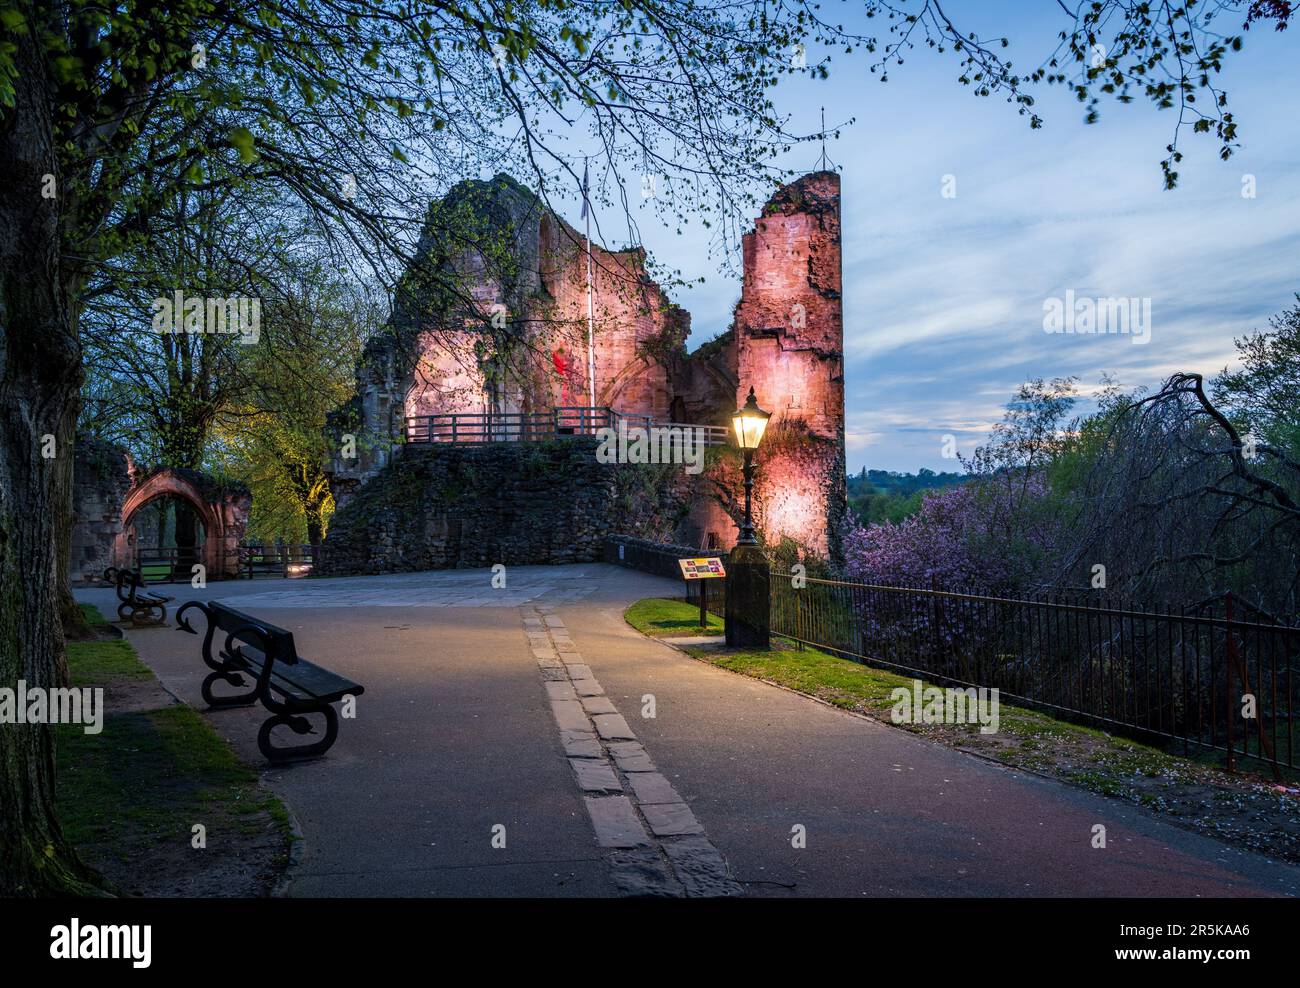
(241, 138)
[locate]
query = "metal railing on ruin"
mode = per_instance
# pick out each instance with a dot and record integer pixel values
(473, 428)
(1210, 676)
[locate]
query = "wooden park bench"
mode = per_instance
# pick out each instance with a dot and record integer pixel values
(137, 605)
(286, 684)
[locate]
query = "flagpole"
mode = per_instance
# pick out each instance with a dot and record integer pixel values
(591, 303)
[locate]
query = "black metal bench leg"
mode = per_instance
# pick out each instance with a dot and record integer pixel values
(233, 700)
(299, 724)
(142, 615)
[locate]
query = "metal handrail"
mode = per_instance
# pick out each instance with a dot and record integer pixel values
(1089, 608)
(473, 428)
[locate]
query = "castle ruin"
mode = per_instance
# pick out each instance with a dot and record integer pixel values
(490, 344)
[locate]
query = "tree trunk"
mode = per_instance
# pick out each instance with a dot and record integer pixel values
(308, 481)
(40, 376)
(75, 626)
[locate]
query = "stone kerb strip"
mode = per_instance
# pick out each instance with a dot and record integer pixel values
(656, 845)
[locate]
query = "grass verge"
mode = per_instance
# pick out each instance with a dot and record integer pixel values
(1242, 809)
(662, 618)
(131, 797)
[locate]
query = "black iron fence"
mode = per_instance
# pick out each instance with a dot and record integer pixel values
(172, 564)
(473, 428)
(277, 559)
(1210, 676)
(166, 564)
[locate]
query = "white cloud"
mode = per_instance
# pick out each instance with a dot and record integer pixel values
(943, 297)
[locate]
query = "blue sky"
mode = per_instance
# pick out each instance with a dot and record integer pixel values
(944, 297)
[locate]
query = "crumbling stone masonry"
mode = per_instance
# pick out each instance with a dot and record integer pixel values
(108, 492)
(446, 353)
(787, 342)
(221, 508)
(101, 478)
(442, 506)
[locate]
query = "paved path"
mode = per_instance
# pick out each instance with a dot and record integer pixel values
(459, 735)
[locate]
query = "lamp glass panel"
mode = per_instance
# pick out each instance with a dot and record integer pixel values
(749, 429)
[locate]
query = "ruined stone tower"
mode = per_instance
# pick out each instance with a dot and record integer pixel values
(790, 333)
(786, 341)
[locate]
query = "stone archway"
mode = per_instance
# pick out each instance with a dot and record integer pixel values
(640, 385)
(222, 511)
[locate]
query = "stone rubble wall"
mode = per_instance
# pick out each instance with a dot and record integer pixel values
(101, 481)
(790, 340)
(648, 556)
(442, 506)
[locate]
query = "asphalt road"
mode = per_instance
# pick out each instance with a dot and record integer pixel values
(454, 738)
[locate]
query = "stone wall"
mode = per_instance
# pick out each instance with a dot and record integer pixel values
(787, 343)
(221, 507)
(453, 360)
(648, 556)
(101, 481)
(443, 506)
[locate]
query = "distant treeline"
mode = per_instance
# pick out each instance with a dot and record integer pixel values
(884, 495)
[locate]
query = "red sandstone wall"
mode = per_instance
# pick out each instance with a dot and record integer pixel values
(790, 340)
(446, 378)
(636, 327)
(635, 324)
(789, 322)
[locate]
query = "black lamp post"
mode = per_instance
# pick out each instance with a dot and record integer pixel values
(750, 422)
(748, 614)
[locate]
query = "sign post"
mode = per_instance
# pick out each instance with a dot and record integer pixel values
(706, 568)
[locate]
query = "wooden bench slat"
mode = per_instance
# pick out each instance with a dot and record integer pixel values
(230, 620)
(304, 681)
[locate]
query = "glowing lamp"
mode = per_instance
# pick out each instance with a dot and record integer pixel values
(750, 422)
